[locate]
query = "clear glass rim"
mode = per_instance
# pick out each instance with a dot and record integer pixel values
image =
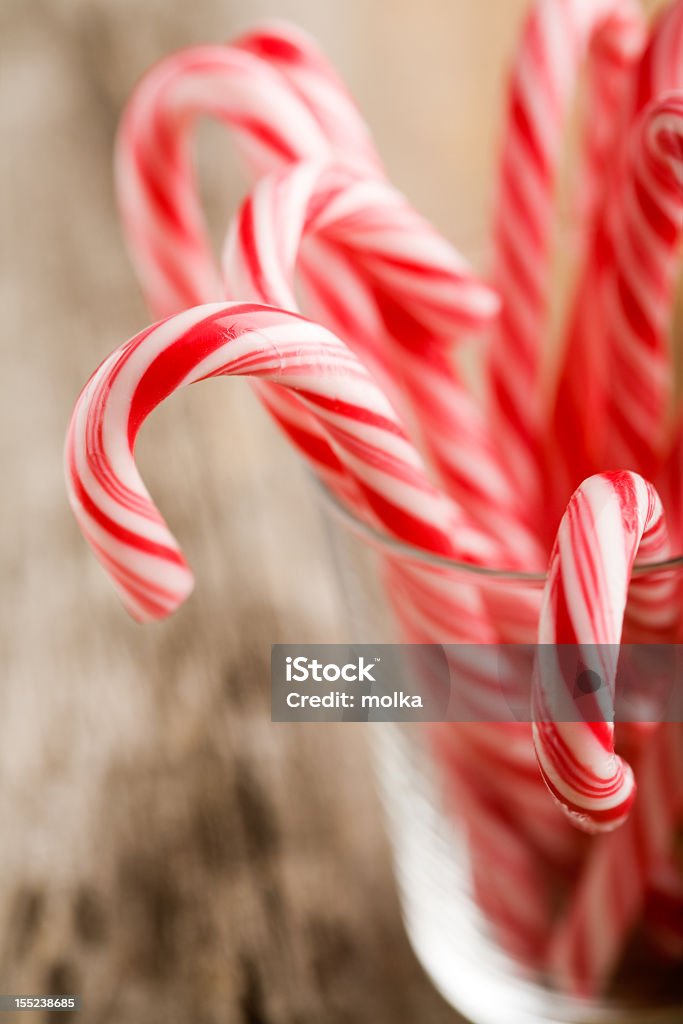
(398, 547)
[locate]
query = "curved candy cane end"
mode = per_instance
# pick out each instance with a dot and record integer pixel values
(119, 521)
(593, 814)
(595, 822)
(144, 612)
(147, 597)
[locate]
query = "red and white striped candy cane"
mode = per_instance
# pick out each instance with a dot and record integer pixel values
(661, 72)
(609, 897)
(155, 129)
(580, 423)
(369, 220)
(660, 68)
(335, 294)
(156, 186)
(161, 212)
(309, 74)
(305, 70)
(284, 101)
(497, 753)
(490, 777)
(402, 255)
(556, 37)
(492, 495)
(506, 874)
(159, 199)
(641, 285)
(109, 499)
(610, 519)
(614, 54)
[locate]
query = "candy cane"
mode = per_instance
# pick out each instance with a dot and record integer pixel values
(660, 69)
(471, 469)
(157, 193)
(646, 241)
(159, 200)
(556, 36)
(509, 889)
(370, 219)
(308, 73)
(580, 422)
(610, 520)
(484, 747)
(518, 841)
(336, 295)
(165, 110)
(109, 499)
(610, 894)
(161, 212)
(402, 254)
(305, 70)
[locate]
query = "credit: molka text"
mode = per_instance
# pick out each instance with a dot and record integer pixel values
(302, 669)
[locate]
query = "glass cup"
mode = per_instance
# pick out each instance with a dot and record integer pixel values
(489, 870)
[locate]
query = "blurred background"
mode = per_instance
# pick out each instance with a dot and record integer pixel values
(167, 852)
